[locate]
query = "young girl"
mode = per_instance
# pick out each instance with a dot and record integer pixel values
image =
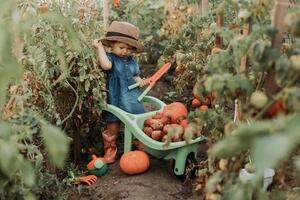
(122, 71)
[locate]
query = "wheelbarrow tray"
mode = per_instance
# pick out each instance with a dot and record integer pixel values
(134, 124)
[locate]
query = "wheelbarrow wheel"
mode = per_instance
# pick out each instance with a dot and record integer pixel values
(190, 168)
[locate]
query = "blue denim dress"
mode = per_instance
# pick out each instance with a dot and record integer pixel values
(119, 77)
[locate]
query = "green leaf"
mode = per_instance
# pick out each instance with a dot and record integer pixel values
(9, 157)
(246, 132)
(30, 196)
(87, 85)
(212, 183)
(57, 144)
(297, 163)
(237, 192)
(27, 172)
(268, 150)
(82, 74)
(228, 147)
(5, 131)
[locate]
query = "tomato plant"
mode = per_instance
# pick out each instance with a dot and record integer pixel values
(50, 82)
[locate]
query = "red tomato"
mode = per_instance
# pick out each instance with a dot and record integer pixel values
(275, 109)
(43, 7)
(203, 107)
(196, 103)
(116, 3)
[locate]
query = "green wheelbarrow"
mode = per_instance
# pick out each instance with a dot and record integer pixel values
(181, 152)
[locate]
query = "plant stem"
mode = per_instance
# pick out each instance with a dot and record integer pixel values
(74, 106)
(278, 95)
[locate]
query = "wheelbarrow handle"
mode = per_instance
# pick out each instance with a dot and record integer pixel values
(152, 80)
(144, 93)
(130, 87)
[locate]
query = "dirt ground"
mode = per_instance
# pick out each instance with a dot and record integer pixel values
(157, 183)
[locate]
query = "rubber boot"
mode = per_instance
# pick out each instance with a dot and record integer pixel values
(110, 148)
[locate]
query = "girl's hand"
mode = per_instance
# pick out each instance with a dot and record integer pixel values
(97, 43)
(143, 82)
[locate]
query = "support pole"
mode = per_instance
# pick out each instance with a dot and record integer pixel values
(278, 14)
(204, 8)
(105, 13)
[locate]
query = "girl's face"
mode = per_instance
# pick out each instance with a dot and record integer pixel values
(121, 49)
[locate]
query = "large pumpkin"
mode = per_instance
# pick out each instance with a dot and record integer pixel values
(134, 162)
(176, 111)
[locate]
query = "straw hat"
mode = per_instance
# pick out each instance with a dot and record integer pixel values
(123, 32)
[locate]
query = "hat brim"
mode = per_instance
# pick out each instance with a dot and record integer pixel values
(137, 45)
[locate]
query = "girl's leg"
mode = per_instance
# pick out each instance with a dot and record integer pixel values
(109, 140)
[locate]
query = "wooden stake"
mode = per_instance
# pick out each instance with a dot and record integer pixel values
(279, 13)
(244, 60)
(237, 111)
(219, 39)
(105, 13)
(204, 8)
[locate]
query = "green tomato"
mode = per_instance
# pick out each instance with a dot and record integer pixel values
(295, 59)
(179, 57)
(206, 34)
(258, 99)
(192, 66)
(244, 15)
(182, 7)
(249, 168)
(213, 26)
(220, 9)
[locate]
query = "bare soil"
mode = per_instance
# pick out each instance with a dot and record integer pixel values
(157, 183)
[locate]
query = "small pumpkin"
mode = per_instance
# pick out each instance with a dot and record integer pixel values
(164, 120)
(156, 124)
(148, 130)
(157, 135)
(134, 162)
(147, 122)
(176, 111)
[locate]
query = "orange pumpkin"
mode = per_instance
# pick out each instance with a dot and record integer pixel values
(176, 111)
(134, 162)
